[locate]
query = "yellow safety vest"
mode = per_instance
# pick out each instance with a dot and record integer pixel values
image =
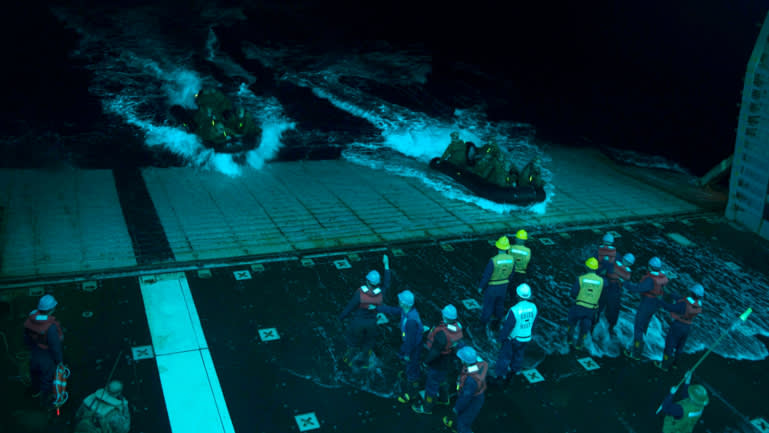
(503, 267)
(590, 287)
(521, 255)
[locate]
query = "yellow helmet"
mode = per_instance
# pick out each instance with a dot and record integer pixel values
(522, 235)
(503, 243)
(592, 263)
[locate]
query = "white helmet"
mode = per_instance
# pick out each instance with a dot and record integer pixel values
(523, 291)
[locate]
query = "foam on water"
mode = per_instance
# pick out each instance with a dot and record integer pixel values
(139, 74)
(407, 132)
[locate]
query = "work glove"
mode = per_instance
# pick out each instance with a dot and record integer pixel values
(688, 377)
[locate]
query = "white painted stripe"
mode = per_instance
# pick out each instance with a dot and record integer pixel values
(191, 389)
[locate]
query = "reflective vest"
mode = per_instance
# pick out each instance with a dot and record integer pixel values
(453, 333)
(413, 314)
(521, 255)
(693, 308)
(607, 253)
(659, 282)
(369, 297)
(36, 326)
(619, 273)
(525, 312)
(692, 414)
(503, 267)
(477, 372)
(590, 287)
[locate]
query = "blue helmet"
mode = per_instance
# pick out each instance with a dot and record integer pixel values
(373, 278)
(655, 263)
(698, 290)
(468, 355)
(406, 298)
(449, 312)
(628, 259)
(608, 238)
(46, 303)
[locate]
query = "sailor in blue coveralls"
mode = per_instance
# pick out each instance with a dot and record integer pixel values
(471, 389)
(683, 312)
(411, 332)
(651, 288)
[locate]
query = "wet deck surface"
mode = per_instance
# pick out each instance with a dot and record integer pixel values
(74, 222)
(267, 383)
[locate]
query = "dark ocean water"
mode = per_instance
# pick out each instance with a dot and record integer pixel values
(90, 85)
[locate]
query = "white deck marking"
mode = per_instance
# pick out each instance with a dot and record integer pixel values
(307, 421)
(471, 304)
(342, 264)
(269, 334)
(588, 363)
(242, 275)
(680, 239)
(532, 375)
(187, 375)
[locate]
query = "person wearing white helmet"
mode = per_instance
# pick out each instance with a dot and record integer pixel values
(650, 287)
(471, 390)
(411, 333)
(683, 415)
(683, 312)
(442, 341)
(616, 274)
(104, 411)
(362, 330)
(43, 336)
(515, 333)
(494, 282)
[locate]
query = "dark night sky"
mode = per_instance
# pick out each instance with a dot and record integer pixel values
(651, 76)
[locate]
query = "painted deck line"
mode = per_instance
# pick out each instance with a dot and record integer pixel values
(191, 388)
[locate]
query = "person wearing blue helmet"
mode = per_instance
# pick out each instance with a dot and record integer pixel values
(43, 336)
(650, 287)
(607, 252)
(683, 312)
(471, 389)
(362, 329)
(442, 341)
(411, 333)
(616, 274)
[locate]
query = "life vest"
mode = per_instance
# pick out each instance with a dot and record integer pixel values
(36, 326)
(103, 411)
(590, 287)
(619, 273)
(453, 333)
(503, 267)
(692, 414)
(369, 297)
(413, 314)
(521, 255)
(607, 253)
(477, 372)
(456, 153)
(60, 385)
(525, 312)
(693, 308)
(659, 282)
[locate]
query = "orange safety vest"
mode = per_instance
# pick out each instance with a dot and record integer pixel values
(369, 297)
(659, 283)
(693, 308)
(37, 328)
(619, 274)
(478, 373)
(453, 333)
(606, 253)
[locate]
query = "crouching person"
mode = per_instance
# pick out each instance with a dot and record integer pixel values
(104, 411)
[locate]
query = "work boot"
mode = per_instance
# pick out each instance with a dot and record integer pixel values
(665, 364)
(580, 343)
(635, 351)
(425, 407)
(448, 422)
(411, 391)
(443, 395)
